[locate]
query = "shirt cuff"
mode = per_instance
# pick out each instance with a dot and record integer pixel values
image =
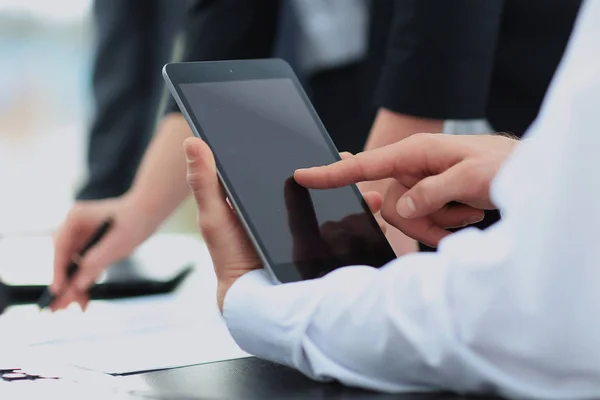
(267, 320)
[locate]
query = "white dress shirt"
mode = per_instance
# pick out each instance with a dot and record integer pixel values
(514, 309)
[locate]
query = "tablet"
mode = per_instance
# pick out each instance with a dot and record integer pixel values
(261, 127)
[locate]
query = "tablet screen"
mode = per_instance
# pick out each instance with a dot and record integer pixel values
(261, 131)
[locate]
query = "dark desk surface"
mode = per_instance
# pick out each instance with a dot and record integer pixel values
(252, 378)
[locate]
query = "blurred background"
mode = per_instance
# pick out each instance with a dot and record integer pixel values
(44, 103)
(46, 50)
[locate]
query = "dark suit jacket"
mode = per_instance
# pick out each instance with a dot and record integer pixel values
(459, 59)
(466, 59)
(246, 29)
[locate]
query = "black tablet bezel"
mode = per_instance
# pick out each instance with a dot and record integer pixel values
(224, 71)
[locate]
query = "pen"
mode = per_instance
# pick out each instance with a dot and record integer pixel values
(47, 297)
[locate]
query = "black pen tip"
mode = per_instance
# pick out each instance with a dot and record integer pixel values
(46, 299)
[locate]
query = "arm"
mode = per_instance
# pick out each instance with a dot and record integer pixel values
(160, 185)
(459, 319)
(391, 127)
(237, 29)
(515, 316)
(438, 63)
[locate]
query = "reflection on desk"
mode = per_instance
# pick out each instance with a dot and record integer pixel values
(248, 378)
(252, 378)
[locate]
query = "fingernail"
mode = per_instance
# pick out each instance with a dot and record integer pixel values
(190, 156)
(406, 207)
(475, 220)
(471, 221)
(54, 289)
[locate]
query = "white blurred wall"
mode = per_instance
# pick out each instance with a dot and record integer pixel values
(45, 49)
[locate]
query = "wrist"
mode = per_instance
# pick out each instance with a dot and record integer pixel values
(143, 209)
(225, 282)
(137, 198)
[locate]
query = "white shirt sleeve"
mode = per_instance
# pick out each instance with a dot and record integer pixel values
(514, 309)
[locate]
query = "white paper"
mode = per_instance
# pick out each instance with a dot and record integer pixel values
(157, 348)
(133, 335)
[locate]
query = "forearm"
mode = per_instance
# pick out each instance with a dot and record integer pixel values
(160, 184)
(386, 334)
(390, 127)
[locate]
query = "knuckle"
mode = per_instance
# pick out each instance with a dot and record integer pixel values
(357, 166)
(73, 215)
(208, 226)
(196, 181)
(381, 222)
(78, 216)
(389, 214)
(352, 167)
(419, 136)
(422, 194)
(424, 138)
(193, 179)
(474, 178)
(329, 176)
(470, 171)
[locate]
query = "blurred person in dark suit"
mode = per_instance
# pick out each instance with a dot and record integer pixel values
(325, 42)
(133, 41)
